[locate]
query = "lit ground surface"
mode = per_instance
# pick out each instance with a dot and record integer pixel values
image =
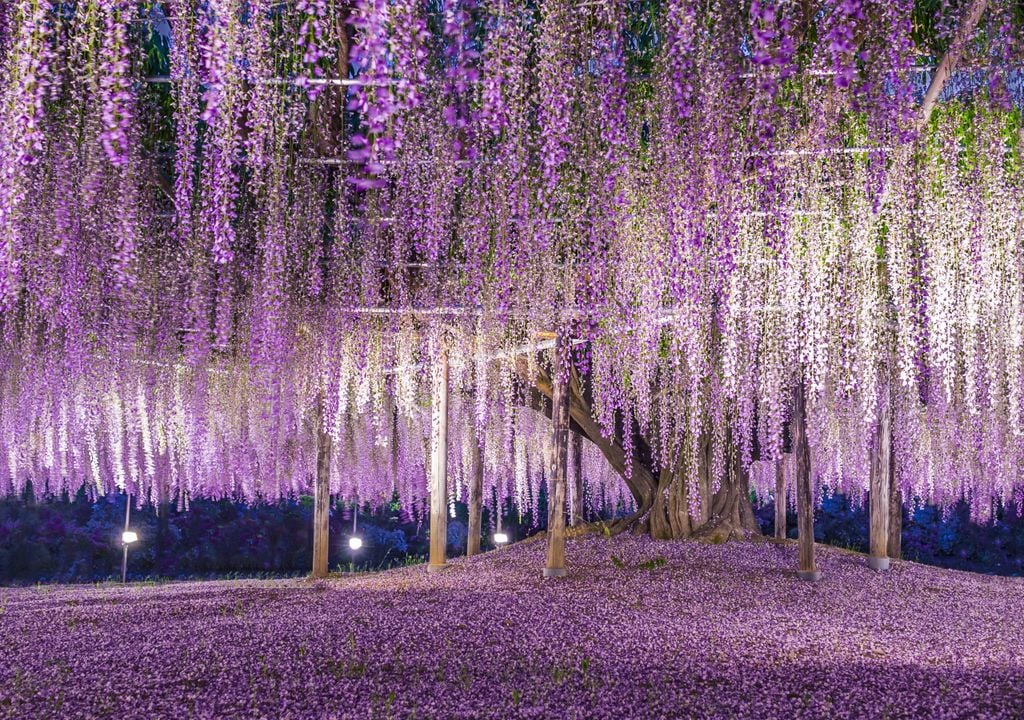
(714, 631)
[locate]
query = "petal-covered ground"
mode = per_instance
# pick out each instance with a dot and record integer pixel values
(639, 629)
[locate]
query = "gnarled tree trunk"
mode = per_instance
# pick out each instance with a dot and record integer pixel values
(661, 496)
(679, 505)
(731, 515)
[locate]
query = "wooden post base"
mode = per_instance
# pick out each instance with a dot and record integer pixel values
(555, 572)
(436, 568)
(879, 564)
(812, 576)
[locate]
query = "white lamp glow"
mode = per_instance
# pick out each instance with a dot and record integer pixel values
(500, 538)
(355, 543)
(129, 536)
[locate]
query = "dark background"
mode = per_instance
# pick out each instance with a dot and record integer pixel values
(73, 539)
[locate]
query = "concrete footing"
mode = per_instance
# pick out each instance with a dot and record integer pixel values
(879, 564)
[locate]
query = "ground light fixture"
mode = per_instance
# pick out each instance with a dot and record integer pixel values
(127, 538)
(500, 538)
(354, 543)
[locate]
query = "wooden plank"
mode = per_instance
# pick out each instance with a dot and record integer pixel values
(439, 465)
(559, 464)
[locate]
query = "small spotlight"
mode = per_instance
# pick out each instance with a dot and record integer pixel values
(129, 536)
(500, 538)
(355, 543)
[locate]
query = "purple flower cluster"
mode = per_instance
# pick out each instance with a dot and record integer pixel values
(639, 629)
(708, 219)
(842, 41)
(29, 70)
(115, 84)
(388, 67)
(312, 42)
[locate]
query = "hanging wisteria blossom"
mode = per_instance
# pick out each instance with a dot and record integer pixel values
(215, 238)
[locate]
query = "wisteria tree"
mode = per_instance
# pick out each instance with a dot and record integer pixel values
(746, 250)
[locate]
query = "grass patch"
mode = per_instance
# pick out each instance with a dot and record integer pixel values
(654, 563)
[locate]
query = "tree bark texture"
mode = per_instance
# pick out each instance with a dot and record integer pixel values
(577, 480)
(660, 495)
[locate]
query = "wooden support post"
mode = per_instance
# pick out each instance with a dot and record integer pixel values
(577, 480)
(780, 498)
(804, 500)
(321, 499)
(559, 464)
(878, 498)
(476, 501)
(439, 465)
